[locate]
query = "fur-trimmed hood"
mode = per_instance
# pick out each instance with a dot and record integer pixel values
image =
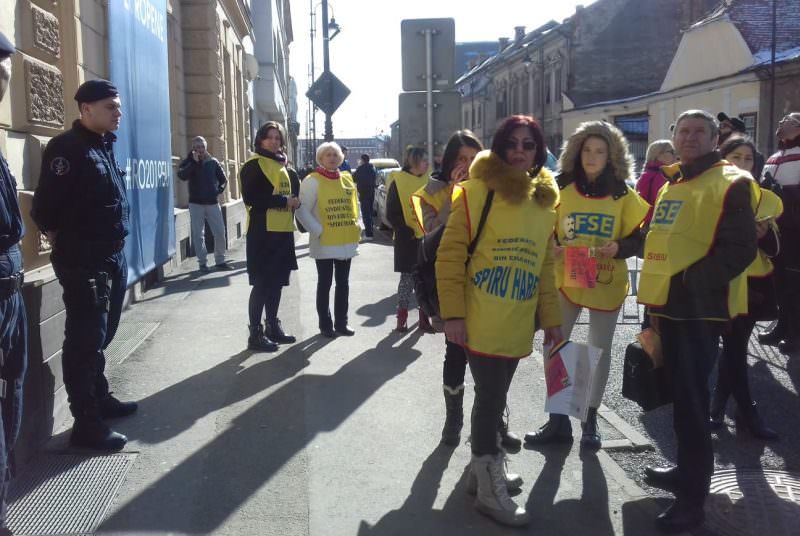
(620, 159)
(511, 184)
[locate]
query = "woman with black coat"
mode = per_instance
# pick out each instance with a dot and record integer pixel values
(407, 229)
(270, 192)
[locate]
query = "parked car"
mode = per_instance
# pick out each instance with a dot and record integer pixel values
(381, 189)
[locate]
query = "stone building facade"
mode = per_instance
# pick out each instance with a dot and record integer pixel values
(60, 45)
(609, 49)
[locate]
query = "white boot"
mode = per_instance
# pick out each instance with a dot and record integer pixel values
(513, 480)
(492, 499)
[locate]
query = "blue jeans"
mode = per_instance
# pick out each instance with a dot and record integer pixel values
(690, 349)
(14, 345)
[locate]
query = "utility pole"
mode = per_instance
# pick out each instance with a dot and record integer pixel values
(771, 136)
(326, 66)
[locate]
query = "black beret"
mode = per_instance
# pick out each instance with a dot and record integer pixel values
(6, 47)
(722, 116)
(95, 90)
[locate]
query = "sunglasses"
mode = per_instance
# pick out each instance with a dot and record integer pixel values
(510, 145)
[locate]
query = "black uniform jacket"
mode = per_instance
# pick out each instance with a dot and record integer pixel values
(81, 195)
(11, 227)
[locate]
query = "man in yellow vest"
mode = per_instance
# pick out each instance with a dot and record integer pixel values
(701, 239)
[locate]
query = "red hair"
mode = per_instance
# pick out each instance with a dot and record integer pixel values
(504, 133)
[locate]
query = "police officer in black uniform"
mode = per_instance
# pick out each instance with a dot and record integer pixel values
(13, 331)
(81, 205)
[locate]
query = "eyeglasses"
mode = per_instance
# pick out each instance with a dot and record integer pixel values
(510, 145)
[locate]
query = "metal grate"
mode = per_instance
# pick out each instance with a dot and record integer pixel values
(65, 493)
(747, 502)
(127, 339)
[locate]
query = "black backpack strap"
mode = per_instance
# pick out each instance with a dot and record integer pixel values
(484, 214)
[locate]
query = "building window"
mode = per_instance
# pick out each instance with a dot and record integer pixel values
(466, 118)
(526, 105)
(750, 124)
(635, 128)
(480, 115)
(558, 75)
(548, 88)
(537, 92)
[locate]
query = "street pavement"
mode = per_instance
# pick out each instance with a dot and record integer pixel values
(340, 437)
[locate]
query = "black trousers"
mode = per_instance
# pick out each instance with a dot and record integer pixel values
(265, 298)
(93, 302)
(787, 281)
(732, 368)
(455, 365)
(492, 378)
(326, 268)
(690, 348)
(14, 347)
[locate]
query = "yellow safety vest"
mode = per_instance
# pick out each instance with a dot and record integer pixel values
(683, 230)
(407, 185)
(502, 290)
(337, 202)
(593, 222)
(436, 201)
(278, 219)
(770, 208)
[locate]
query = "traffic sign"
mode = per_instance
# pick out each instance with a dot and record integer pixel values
(443, 53)
(413, 118)
(327, 93)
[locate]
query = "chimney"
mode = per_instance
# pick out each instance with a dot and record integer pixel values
(519, 33)
(502, 43)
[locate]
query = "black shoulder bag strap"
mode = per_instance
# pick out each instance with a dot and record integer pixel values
(484, 214)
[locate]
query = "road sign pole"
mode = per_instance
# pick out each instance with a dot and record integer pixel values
(326, 67)
(429, 91)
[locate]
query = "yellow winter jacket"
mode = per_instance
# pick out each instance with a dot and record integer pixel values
(508, 287)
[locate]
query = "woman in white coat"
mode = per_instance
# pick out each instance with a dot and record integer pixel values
(329, 211)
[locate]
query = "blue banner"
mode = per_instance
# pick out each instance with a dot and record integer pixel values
(137, 35)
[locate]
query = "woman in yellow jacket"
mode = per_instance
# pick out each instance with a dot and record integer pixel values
(761, 305)
(407, 229)
(598, 211)
(491, 299)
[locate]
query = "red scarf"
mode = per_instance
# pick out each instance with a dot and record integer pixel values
(333, 175)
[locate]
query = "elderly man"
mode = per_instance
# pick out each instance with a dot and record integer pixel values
(206, 181)
(13, 334)
(82, 205)
(702, 237)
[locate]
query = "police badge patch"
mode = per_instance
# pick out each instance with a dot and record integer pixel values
(59, 165)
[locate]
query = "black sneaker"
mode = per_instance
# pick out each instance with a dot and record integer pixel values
(347, 331)
(224, 267)
(204, 269)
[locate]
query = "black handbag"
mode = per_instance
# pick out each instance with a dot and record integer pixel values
(647, 386)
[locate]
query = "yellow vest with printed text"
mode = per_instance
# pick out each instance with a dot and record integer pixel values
(683, 230)
(435, 201)
(278, 219)
(407, 186)
(593, 222)
(337, 202)
(502, 291)
(770, 208)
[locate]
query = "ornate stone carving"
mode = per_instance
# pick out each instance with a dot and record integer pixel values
(45, 86)
(46, 34)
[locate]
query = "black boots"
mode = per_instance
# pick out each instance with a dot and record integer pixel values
(591, 435)
(257, 341)
(274, 331)
(91, 433)
(111, 408)
(454, 405)
(508, 439)
(557, 429)
(718, 403)
(747, 418)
